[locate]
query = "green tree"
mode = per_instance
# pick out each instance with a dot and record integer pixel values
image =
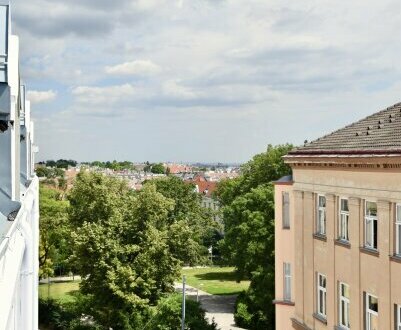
(168, 315)
(126, 247)
(158, 168)
(193, 222)
(248, 216)
(54, 248)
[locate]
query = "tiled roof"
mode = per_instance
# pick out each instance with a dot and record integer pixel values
(204, 187)
(379, 133)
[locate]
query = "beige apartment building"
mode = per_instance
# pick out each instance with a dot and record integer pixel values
(338, 229)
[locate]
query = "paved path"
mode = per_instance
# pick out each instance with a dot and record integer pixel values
(219, 308)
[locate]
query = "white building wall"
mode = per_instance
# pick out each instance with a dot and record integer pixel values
(19, 233)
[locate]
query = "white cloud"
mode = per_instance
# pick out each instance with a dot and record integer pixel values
(138, 67)
(41, 96)
(174, 89)
(109, 95)
(192, 67)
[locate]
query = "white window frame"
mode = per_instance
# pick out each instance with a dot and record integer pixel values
(287, 281)
(321, 223)
(397, 229)
(370, 220)
(398, 320)
(369, 312)
(343, 222)
(286, 210)
(321, 305)
(346, 302)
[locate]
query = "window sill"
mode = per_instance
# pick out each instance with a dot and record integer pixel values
(299, 325)
(283, 302)
(369, 251)
(286, 228)
(339, 327)
(320, 318)
(342, 243)
(395, 258)
(320, 237)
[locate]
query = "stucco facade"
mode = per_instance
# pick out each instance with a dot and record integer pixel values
(373, 271)
(338, 229)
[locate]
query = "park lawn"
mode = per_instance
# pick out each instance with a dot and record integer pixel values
(61, 291)
(215, 280)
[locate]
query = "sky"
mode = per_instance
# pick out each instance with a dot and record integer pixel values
(202, 80)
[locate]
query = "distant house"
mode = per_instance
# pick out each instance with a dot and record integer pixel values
(206, 189)
(338, 229)
(178, 168)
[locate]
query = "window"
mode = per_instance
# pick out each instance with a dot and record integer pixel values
(398, 230)
(398, 317)
(371, 225)
(287, 281)
(286, 210)
(372, 313)
(321, 295)
(344, 306)
(343, 220)
(321, 215)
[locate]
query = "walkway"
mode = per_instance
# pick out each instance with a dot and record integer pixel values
(219, 308)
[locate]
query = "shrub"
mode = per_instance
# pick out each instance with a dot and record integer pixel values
(56, 316)
(254, 309)
(53, 315)
(242, 317)
(168, 315)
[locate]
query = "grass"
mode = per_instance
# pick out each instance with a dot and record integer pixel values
(215, 280)
(61, 291)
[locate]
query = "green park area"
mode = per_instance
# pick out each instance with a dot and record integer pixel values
(215, 280)
(61, 291)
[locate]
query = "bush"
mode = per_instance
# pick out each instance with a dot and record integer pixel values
(254, 309)
(56, 316)
(242, 317)
(168, 315)
(53, 315)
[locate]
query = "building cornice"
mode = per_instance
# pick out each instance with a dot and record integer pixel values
(339, 162)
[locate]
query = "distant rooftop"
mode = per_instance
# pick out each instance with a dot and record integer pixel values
(379, 133)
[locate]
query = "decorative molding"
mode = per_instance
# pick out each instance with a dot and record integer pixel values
(383, 205)
(342, 243)
(330, 197)
(320, 318)
(298, 325)
(320, 237)
(308, 195)
(396, 258)
(283, 302)
(345, 165)
(354, 201)
(298, 193)
(369, 251)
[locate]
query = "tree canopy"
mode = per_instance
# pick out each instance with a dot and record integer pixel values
(158, 168)
(129, 246)
(54, 232)
(248, 216)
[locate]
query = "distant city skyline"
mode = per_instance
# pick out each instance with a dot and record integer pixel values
(201, 80)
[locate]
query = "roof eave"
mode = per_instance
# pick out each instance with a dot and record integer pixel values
(346, 153)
